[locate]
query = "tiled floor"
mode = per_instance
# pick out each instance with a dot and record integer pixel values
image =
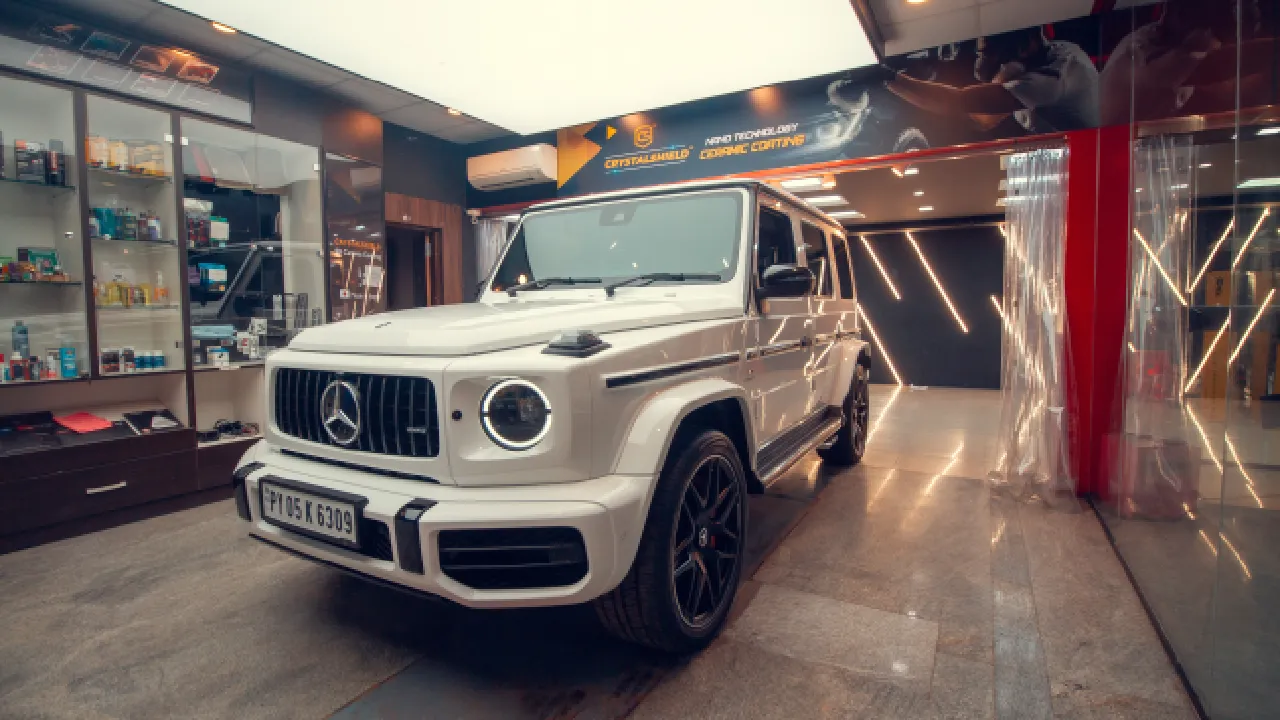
(900, 589)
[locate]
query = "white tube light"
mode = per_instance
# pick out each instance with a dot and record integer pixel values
(826, 200)
(1252, 325)
(874, 336)
(1248, 481)
(1156, 261)
(936, 283)
(1265, 212)
(1239, 560)
(802, 184)
(999, 307)
(883, 274)
(1208, 260)
(1207, 354)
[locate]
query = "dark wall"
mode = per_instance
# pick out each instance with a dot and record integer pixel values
(285, 109)
(919, 332)
(529, 193)
(420, 165)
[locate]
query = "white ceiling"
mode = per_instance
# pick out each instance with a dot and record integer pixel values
(908, 27)
(538, 66)
(150, 18)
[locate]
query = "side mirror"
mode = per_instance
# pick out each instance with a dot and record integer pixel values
(785, 281)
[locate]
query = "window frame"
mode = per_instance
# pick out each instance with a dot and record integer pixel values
(761, 209)
(848, 255)
(832, 293)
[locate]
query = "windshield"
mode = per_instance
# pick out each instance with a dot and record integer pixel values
(678, 234)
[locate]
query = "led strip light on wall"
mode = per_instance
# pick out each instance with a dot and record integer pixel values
(1213, 252)
(1207, 354)
(1155, 260)
(936, 283)
(885, 351)
(1252, 325)
(1252, 235)
(883, 273)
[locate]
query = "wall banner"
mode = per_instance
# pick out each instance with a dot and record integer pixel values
(1158, 61)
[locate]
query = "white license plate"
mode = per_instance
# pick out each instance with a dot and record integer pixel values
(314, 515)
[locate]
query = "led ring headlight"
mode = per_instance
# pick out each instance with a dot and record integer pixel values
(515, 414)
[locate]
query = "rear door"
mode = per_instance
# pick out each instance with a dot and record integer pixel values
(825, 308)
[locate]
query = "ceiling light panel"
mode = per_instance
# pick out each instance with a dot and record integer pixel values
(530, 67)
(802, 184)
(826, 200)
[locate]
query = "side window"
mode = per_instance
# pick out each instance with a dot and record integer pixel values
(777, 243)
(844, 269)
(815, 252)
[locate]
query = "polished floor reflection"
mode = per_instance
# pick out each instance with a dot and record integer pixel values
(899, 589)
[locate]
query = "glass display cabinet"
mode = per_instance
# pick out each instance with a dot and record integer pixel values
(254, 237)
(43, 325)
(132, 230)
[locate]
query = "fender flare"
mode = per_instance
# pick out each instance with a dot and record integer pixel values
(654, 427)
(853, 352)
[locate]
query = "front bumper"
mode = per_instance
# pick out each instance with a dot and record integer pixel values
(609, 512)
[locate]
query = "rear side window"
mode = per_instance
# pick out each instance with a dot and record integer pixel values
(815, 252)
(844, 269)
(777, 245)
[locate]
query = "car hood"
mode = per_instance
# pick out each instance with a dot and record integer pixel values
(470, 328)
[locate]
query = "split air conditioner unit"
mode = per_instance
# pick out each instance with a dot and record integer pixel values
(513, 168)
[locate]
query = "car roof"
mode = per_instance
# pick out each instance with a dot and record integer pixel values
(685, 187)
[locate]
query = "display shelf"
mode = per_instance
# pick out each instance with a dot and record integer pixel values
(139, 308)
(64, 283)
(10, 182)
(141, 178)
(149, 371)
(232, 366)
(137, 243)
(49, 381)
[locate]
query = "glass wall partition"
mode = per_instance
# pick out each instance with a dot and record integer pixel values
(1194, 491)
(43, 328)
(133, 230)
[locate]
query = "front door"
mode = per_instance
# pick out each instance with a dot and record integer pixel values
(782, 336)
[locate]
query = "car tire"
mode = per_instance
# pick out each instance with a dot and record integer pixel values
(851, 439)
(692, 543)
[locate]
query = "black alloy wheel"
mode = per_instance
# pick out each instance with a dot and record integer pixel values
(851, 439)
(707, 542)
(677, 594)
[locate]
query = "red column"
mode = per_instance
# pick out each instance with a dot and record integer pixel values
(1096, 281)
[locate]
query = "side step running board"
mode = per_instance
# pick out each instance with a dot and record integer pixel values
(819, 438)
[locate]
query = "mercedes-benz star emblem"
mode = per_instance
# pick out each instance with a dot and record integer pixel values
(340, 412)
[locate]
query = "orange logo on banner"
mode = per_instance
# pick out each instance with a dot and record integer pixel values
(644, 136)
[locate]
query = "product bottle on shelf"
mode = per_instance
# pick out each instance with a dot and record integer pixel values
(21, 339)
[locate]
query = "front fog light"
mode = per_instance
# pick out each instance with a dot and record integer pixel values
(515, 414)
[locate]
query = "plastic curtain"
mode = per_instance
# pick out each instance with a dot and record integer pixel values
(1032, 438)
(491, 236)
(1154, 469)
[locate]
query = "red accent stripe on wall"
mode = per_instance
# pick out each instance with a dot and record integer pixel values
(1082, 227)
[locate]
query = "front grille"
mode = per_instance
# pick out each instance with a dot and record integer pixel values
(511, 558)
(375, 539)
(397, 414)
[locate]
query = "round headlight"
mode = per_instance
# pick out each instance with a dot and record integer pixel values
(515, 414)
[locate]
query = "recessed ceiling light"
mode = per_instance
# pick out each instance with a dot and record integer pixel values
(224, 29)
(833, 41)
(916, 2)
(918, 193)
(927, 208)
(826, 200)
(913, 170)
(1180, 186)
(453, 111)
(802, 184)
(846, 214)
(1269, 131)
(1206, 165)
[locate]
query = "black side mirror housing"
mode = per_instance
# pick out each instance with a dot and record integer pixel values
(785, 281)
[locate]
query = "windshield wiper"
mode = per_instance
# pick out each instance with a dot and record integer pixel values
(545, 282)
(655, 277)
